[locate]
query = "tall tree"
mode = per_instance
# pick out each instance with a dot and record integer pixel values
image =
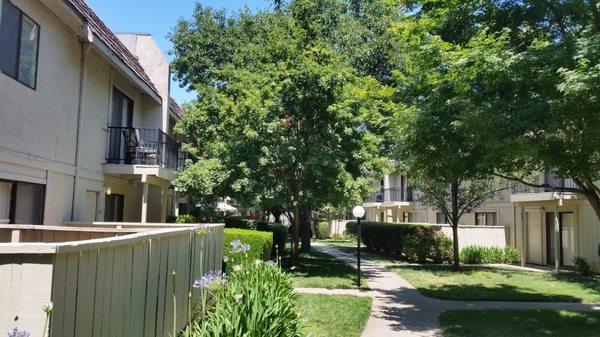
(523, 76)
(289, 121)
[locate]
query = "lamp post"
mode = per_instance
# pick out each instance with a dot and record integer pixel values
(358, 212)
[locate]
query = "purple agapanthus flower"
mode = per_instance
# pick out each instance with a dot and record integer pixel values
(271, 263)
(209, 279)
(15, 332)
(438, 234)
(237, 246)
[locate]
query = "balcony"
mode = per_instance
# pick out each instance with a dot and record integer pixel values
(394, 194)
(524, 193)
(548, 179)
(144, 146)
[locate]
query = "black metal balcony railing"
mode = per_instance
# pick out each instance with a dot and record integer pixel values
(394, 194)
(144, 146)
(549, 179)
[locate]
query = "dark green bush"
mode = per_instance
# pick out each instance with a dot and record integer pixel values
(386, 237)
(417, 247)
(280, 235)
(442, 249)
(481, 254)
(322, 229)
(260, 242)
(581, 266)
(237, 222)
(186, 218)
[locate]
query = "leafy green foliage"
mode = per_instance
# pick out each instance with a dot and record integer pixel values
(237, 222)
(481, 254)
(257, 301)
(322, 229)
(386, 237)
(260, 242)
(313, 125)
(582, 266)
(186, 218)
(280, 236)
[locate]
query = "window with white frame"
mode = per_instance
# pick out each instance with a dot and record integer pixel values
(485, 218)
(19, 41)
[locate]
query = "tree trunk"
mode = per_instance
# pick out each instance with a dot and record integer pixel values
(455, 252)
(305, 229)
(276, 214)
(295, 227)
(454, 223)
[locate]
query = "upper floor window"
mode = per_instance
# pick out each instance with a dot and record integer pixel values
(19, 39)
(485, 218)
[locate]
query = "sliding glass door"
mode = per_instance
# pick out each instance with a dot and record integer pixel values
(21, 203)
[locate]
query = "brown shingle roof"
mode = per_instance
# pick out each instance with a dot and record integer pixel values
(178, 110)
(114, 44)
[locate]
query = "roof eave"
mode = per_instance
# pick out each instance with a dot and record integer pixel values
(126, 70)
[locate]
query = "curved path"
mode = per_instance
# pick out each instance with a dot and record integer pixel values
(401, 310)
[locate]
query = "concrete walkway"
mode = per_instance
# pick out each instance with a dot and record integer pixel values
(400, 310)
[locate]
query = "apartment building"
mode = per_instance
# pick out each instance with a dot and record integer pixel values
(85, 119)
(578, 233)
(528, 216)
(395, 200)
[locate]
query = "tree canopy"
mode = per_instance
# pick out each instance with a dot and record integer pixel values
(282, 114)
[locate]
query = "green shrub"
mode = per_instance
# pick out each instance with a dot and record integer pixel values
(237, 222)
(442, 249)
(481, 254)
(280, 235)
(417, 247)
(257, 301)
(386, 237)
(260, 242)
(322, 229)
(186, 218)
(581, 266)
(171, 219)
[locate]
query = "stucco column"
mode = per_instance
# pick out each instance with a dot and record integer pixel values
(164, 203)
(557, 246)
(144, 199)
(523, 243)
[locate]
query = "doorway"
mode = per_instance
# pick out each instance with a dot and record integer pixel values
(566, 238)
(113, 208)
(91, 206)
(534, 237)
(21, 202)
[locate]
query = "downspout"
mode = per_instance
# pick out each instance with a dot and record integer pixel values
(86, 44)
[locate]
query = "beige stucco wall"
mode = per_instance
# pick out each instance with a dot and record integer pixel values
(586, 226)
(38, 128)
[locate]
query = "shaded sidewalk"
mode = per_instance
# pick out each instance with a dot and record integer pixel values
(401, 310)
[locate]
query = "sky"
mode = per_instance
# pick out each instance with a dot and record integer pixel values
(158, 17)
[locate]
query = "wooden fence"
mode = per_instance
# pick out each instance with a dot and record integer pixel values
(488, 236)
(115, 286)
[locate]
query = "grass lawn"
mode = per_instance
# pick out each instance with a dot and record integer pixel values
(349, 246)
(497, 284)
(519, 323)
(333, 315)
(320, 270)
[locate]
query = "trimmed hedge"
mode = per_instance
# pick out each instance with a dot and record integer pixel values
(386, 237)
(280, 235)
(322, 229)
(261, 242)
(236, 222)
